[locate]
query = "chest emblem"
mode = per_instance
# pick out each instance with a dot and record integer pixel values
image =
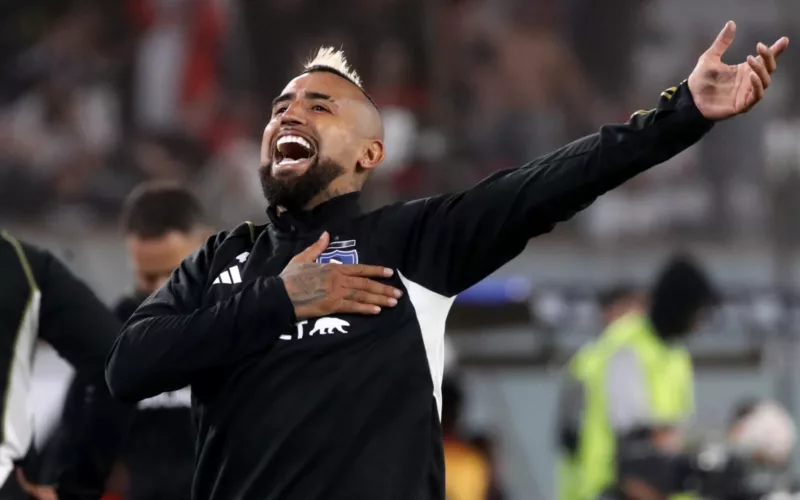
(340, 252)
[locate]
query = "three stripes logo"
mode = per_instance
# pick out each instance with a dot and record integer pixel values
(232, 275)
(229, 277)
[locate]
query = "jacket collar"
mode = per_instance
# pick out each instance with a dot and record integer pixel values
(340, 207)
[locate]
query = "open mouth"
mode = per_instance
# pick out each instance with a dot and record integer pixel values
(291, 150)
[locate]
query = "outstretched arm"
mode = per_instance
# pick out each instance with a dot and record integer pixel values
(452, 242)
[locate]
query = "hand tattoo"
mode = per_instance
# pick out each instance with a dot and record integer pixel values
(306, 283)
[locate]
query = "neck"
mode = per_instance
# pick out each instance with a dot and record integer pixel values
(337, 188)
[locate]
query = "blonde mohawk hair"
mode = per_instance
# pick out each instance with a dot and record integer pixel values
(330, 59)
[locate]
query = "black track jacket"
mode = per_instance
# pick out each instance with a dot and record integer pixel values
(347, 407)
(40, 299)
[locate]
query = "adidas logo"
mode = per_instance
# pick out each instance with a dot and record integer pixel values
(232, 275)
(229, 277)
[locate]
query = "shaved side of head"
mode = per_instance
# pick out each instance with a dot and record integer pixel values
(370, 123)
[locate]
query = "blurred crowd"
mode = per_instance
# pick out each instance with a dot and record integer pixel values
(97, 96)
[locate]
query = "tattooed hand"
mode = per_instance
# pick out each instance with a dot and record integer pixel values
(322, 289)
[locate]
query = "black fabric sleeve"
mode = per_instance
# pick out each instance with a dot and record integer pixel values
(173, 336)
(82, 330)
(571, 406)
(126, 306)
(451, 242)
(73, 320)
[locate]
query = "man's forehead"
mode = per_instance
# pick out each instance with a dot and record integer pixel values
(322, 82)
(159, 244)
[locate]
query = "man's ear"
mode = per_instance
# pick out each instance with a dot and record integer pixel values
(372, 155)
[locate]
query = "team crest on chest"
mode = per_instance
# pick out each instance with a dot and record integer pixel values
(340, 252)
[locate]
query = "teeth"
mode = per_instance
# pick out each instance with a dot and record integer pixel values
(294, 138)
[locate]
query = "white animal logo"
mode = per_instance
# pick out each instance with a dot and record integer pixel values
(325, 326)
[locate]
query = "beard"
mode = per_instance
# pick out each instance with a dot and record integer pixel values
(295, 193)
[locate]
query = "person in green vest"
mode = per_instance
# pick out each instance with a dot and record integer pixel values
(634, 382)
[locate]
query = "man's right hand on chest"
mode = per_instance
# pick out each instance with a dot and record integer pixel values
(322, 289)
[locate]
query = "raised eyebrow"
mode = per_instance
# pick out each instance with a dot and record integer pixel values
(290, 96)
(319, 96)
(283, 98)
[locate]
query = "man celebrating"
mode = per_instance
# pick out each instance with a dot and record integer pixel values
(313, 344)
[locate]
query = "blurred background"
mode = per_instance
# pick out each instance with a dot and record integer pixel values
(97, 96)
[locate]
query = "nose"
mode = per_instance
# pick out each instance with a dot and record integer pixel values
(294, 115)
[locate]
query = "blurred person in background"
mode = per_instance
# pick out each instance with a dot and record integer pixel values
(613, 303)
(754, 458)
(618, 301)
(41, 299)
(763, 432)
(749, 463)
(235, 319)
(468, 471)
(162, 223)
(635, 382)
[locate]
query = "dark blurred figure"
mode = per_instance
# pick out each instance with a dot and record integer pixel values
(633, 385)
(468, 472)
(163, 223)
(40, 299)
(487, 444)
(618, 25)
(749, 463)
(619, 301)
(167, 156)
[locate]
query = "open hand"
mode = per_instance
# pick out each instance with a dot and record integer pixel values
(322, 289)
(721, 91)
